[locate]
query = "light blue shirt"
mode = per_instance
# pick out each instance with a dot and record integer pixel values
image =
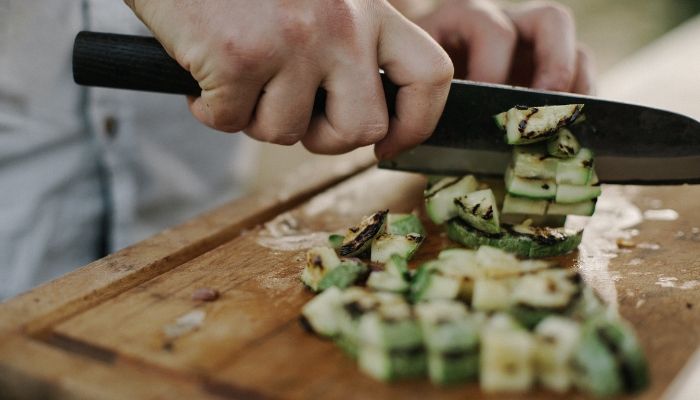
(88, 171)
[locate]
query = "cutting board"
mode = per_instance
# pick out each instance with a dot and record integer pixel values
(101, 332)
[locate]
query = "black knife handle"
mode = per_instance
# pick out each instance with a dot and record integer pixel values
(140, 63)
(128, 62)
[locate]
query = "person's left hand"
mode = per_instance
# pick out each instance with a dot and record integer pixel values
(531, 44)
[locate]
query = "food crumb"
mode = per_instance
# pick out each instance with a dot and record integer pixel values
(625, 243)
(689, 306)
(184, 325)
(205, 294)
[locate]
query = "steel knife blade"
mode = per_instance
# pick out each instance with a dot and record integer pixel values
(632, 143)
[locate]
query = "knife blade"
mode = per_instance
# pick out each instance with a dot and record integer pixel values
(632, 143)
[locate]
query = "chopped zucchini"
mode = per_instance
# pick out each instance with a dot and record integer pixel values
(345, 274)
(392, 365)
(531, 162)
(506, 360)
(437, 183)
(335, 241)
(397, 265)
(556, 340)
(447, 326)
(521, 205)
(479, 210)
(453, 366)
(622, 342)
(429, 284)
(491, 294)
(595, 369)
(529, 187)
(391, 330)
(551, 289)
(388, 282)
(567, 194)
(319, 261)
(321, 312)
(576, 170)
(386, 245)
(354, 303)
(533, 124)
(497, 263)
(563, 145)
(500, 120)
(586, 207)
(459, 262)
(439, 203)
(548, 242)
(403, 224)
(359, 238)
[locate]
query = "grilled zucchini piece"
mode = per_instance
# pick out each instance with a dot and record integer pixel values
(403, 224)
(530, 187)
(619, 337)
(547, 242)
(479, 210)
(556, 339)
(500, 120)
(393, 364)
(522, 205)
(568, 194)
(595, 369)
(506, 359)
(576, 170)
(534, 124)
(387, 282)
(439, 199)
(462, 233)
(532, 161)
(491, 294)
(335, 241)
(359, 238)
(385, 245)
(552, 289)
(319, 261)
(586, 208)
(496, 263)
(321, 313)
(563, 145)
(354, 303)
(398, 266)
(344, 275)
(429, 283)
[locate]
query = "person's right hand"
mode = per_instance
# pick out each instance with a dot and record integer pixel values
(259, 64)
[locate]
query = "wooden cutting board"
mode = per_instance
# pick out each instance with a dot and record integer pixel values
(100, 332)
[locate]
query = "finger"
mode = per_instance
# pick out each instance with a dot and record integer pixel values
(355, 112)
(551, 30)
(585, 72)
(423, 72)
(492, 39)
(283, 113)
(227, 108)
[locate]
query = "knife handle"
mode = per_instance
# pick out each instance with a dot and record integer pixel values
(140, 63)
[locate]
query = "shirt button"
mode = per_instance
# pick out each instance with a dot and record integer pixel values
(111, 126)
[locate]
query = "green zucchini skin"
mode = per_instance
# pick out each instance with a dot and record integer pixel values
(595, 367)
(453, 367)
(344, 275)
(524, 245)
(335, 241)
(403, 224)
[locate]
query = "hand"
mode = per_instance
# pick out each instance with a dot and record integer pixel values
(260, 63)
(531, 44)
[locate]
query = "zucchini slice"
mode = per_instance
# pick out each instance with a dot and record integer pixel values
(344, 275)
(576, 170)
(392, 365)
(506, 360)
(533, 162)
(567, 194)
(563, 145)
(387, 282)
(521, 205)
(439, 203)
(556, 339)
(525, 241)
(359, 238)
(451, 338)
(594, 366)
(385, 245)
(534, 124)
(319, 261)
(530, 188)
(321, 312)
(429, 284)
(479, 210)
(586, 207)
(403, 224)
(491, 295)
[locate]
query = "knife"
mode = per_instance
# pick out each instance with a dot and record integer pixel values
(633, 143)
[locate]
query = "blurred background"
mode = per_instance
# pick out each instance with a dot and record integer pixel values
(614, 29)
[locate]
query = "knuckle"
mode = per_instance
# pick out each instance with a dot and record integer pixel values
(247, 58)
(298, 28)
(278, 135)
(561, 76)
(556, 13)
(370, 132)
(443, 70)
(223, 119)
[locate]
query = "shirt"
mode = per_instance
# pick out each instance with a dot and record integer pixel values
(85, 171)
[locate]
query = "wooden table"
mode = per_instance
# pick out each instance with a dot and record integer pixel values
(99, 332)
